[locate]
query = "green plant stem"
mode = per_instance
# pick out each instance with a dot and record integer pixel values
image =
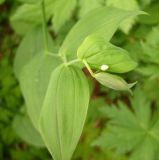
(45, 26)
(88, 67)
(53, 54)
(73, 61)
(63, 58)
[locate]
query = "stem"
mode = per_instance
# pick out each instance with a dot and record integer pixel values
(88, 67)
(44, 21)
(73, 61)
(63, 58)
(52, 54)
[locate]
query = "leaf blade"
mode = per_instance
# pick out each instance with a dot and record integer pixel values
(97, 21)
(62, 121)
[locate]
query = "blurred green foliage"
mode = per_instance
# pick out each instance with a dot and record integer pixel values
(118, 126)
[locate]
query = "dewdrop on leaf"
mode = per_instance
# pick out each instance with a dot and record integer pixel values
(104, 67)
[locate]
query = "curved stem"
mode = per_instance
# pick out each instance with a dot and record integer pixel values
(73, 61)
(88, 67)
(44, 21)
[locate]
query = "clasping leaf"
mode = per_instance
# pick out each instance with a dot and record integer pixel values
(64, 111)
(97, 52)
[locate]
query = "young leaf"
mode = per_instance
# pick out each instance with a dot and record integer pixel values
(98, 52)
(113, 81)
(64, 111)
(103, 20)
(132, 132)
(25, 130)
(62, 12)
(126, 5)
(32, 44)
(34, 81)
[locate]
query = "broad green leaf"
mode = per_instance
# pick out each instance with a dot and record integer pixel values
(134, 132)
(25, 130)
(113, 81)
(34, 81)
(27, 16)
(98, 52)
(88, 5)
(64, 111)
(63, 10)
(32, 44)
(126, 5)
(103, 20)
(30, 1)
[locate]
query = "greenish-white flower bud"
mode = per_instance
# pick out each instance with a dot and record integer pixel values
(113, 81)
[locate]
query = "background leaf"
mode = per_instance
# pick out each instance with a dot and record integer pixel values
(134, 132)
(2, 1)
(34, 81)
(126, 5)
(62, 12)
(87, 5)
(25, 130)
(153, 11)
(27, 16)
(32, 44)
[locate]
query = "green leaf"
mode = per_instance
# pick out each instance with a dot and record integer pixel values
(30, 1)
(113, 81)
(151, 88)
(62, 12)
(27, 16)
(145, 2)
(103, 20)
(64, 111)
(25, 130)
(98, 52)
(32, 44)
(153, 17)
(132, 132)
(152, 36)
(151, 51)
(34, 81)
(87, 5)
(150, 70)
(126, 5)
(150, 46)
